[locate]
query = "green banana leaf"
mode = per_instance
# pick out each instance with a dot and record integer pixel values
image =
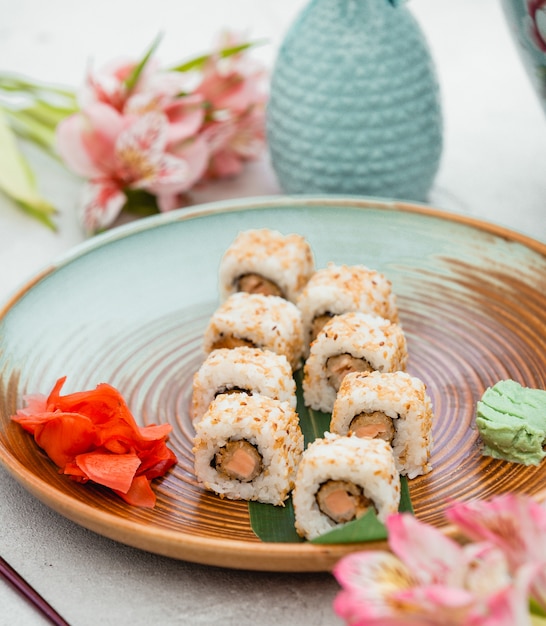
(276, 523)
(368, 527)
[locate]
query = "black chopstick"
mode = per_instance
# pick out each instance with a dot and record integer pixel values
(10, 575)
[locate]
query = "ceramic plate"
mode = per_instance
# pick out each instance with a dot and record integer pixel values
(130, 307)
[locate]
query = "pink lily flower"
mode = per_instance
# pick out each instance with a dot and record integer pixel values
(429, 580)
(514, 523)
(117, 152)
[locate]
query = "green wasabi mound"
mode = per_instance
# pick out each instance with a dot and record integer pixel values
(511, 420)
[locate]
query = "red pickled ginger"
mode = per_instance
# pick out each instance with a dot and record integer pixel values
(93, 436)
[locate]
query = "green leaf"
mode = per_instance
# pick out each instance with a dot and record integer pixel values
(16, 178)
(133, 77)
(273, 523)
(39, 209)
(313, 423)
(536, 610)
(276, 523)
(405, 497)
(49, 114)
(28, 127)
(59, 97)
(367, 527)
(140, 202)
(197, 63)
(34, 110)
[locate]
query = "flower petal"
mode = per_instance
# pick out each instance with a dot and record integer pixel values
(513, 522)
(372, 577)
(185, 118)
(193, 158)
(140, 149)
(73, 149)
(486, 568)
(509, 606)
(101, 204)
(234, 141)
(433, 557)
(86, 140)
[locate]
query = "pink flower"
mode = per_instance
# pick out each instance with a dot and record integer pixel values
(515, 524)
(234, 92)
(108, 85)
(155, 90)
(233, 84)
(429, 580)
(235, 141)
(116, 152)
(144, 128)
(535, 8)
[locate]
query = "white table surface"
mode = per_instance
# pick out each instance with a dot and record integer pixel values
(492, 168)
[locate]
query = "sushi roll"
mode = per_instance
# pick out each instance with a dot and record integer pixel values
(254, 320)
(246, 370)
(350, 342)
(248, 448)
(393, 406)
(339, 479)
(267, 262)
(338, 289)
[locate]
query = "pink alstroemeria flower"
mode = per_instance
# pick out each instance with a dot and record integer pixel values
(429, 580)
(234, 93)
(155, 90)
(514, 523)
(231, 85)
(141, 127)
(235, 141)
(107, 85)
(534, 7)
(117, 152)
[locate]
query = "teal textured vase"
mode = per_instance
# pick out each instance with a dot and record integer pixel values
(354, 106)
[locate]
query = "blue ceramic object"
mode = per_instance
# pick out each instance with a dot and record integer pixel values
(354, 105)
(527, 23)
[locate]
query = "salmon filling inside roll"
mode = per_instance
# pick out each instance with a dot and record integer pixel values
(255, 283)
(342, 501)
(239, 460)
(374, 425)
(230, 341)
(338, 366)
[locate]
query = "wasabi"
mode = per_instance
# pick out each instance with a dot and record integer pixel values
(511, 420)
